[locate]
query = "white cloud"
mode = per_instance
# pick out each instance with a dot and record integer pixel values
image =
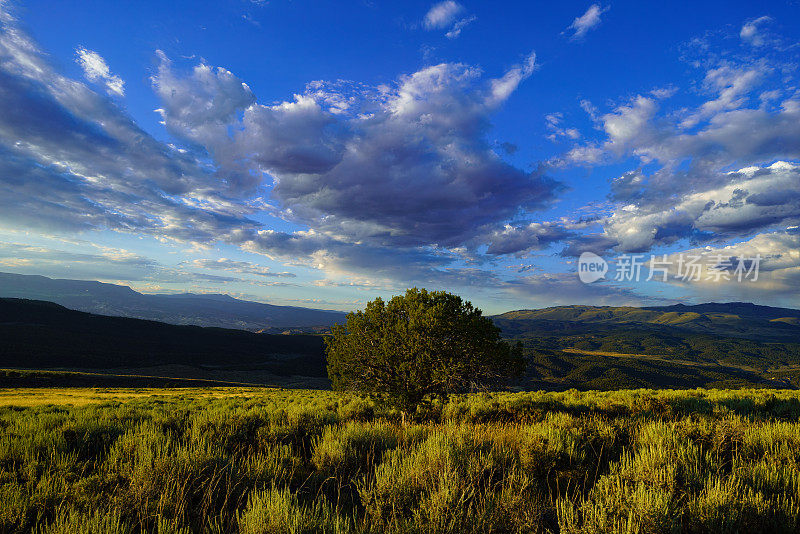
(553, 122)
(752, 31)
(241, 267)
(731, 86)
(455, 31)
(680, 187)
(442, 14)
(750, 200)
(446, 15)
(591, 19)
(771, 273)
(630, 126)
(521, 239)
(95, 69)
(72, 160)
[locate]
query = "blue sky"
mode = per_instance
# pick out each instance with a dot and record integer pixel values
(324, 153)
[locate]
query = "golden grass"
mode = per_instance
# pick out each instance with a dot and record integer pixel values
(255, 460)
(29, 397)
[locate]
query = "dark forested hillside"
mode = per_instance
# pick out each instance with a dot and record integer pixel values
(37, 334)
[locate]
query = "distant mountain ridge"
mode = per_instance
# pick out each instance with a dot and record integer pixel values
(734, 319)
(216, 310)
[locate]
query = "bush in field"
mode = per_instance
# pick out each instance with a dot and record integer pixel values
(419, 346)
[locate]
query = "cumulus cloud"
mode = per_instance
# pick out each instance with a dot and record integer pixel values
(739, 122)
(598, 243)
(525, 238)
(751, 200)
(589, 20)
(96, 70)
(685, 186)
(407, 165)
(770, 269)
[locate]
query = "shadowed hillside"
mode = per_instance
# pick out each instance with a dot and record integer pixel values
(37, 334)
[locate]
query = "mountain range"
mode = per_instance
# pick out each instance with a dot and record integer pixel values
(735, 319)
(216, 310)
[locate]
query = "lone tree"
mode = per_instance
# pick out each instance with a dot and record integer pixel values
(418, 346)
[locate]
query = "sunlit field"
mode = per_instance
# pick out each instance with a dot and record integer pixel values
(69, 397)
(260, 461)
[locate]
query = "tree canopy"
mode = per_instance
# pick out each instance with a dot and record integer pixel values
(417, 346)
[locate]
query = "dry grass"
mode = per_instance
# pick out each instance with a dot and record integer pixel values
(28, 397)
(243, 460)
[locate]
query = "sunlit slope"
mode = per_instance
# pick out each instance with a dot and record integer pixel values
(726, 319)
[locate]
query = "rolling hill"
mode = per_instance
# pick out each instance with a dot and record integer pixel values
(714, 344)
(221, 311)
(737, 319)
(44, 335)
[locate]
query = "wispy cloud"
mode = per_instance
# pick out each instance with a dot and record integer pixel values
(455, 31)
(753, 32)
(241, 267)
(446, 15)
(588, 21)
(96, 70)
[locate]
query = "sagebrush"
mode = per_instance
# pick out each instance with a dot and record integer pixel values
(264, 461)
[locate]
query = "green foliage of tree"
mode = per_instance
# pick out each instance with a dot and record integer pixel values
(419, 346)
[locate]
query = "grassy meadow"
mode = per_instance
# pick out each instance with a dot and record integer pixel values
(248, 461)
